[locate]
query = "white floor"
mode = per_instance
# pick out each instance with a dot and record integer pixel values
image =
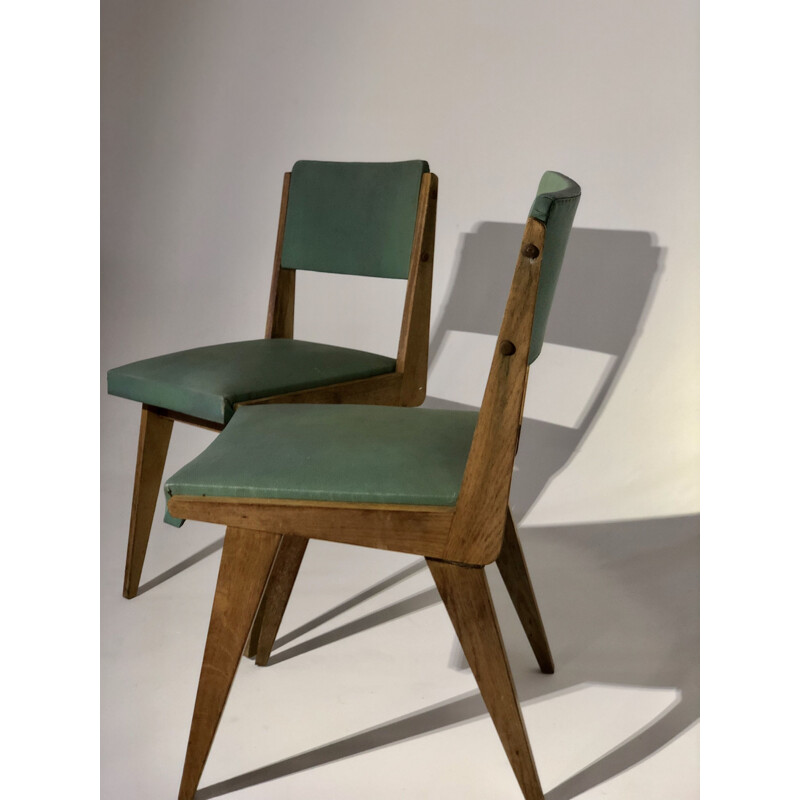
(370, 696)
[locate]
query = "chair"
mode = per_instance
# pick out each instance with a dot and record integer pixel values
(354, 218)
(423, 481)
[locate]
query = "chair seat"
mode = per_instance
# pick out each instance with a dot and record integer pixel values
(207, 382)
(345, 453)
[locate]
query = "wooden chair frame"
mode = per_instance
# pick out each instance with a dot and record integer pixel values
(265, 538)
(404, 387)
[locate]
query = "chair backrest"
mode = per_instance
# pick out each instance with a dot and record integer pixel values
(359, 218)
(477, 529)
(352, 218)
(555, 205)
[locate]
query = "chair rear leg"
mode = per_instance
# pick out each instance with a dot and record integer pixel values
(247, 556)
(465, 593)
(512, 566)
(154, 434)
(276, 597)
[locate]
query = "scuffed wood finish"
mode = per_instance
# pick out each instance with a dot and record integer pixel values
(512, 566)
(412, 353)
(280, 313)
(465, 593)
(477, 531)
(177, 416)
(457, 541)
(420, 530)
(283, 316)
(382, 390)
(276, 596)
(154, 435)
(246, 560)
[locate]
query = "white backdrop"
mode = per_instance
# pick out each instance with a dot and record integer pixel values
(205, 105)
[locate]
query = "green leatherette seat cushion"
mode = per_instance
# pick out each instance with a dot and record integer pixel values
(352, 218)
(207, 382)
(555, 205)
(348, 453)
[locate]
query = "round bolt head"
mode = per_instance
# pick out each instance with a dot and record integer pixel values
(531, 251)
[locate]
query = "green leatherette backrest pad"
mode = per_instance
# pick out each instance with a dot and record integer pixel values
(352, 218)
(555, 205)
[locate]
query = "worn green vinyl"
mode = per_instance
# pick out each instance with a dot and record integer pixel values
(364, 454)
(555, 205)
(352, 217)
(346, 453)
(207, 382)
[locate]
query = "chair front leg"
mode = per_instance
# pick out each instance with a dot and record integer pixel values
(247, 556)
(154, 435)
(465, 592)
(276, 597)
(512, 566)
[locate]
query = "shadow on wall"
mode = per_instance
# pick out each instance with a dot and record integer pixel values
(604, 292)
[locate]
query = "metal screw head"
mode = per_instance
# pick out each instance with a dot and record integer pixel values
(424, 257)
(507, 348)
(531, 251)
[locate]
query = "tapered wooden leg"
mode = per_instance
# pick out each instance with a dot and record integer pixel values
(512, 566)
(154, 435)
(276, 596)
(465, 593)
(247, 556)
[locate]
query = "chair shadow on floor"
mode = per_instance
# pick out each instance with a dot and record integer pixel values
(190, 561)
(620, 600)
